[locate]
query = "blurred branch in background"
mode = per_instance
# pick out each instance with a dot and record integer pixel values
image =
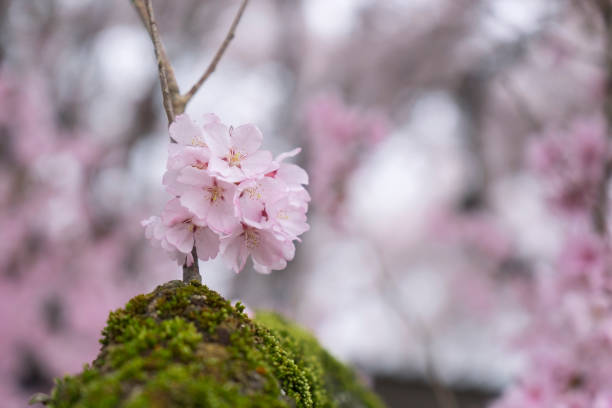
(600, 208)
(388, 290)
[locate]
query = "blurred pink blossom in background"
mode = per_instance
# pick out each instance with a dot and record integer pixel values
(338, 136)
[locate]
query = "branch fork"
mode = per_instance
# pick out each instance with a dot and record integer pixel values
(174, 102)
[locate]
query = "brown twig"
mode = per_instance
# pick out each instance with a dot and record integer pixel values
(163, 65)
(175, 103)
(170, 96)
(169, 86)
(213, 64)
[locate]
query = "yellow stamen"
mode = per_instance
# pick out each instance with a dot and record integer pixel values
(234, 158)
(200, 165)
(253, 193)
(216, 192)
(197, 142)
(251, 238)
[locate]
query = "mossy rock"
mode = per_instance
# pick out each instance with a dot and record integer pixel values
(183, 345)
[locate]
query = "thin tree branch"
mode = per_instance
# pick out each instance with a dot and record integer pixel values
(175, 103)
(600, 210)
(171, 99)
(163, 66)
(213, 64)
(191, 273)
(141, 9)
(445, 397)
(169, 86)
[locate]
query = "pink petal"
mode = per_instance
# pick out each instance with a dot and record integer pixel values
(181, 156)
(194, 177)
(174, 149)
(184, 131)
(246, 138)
(249, 202)
(292, 174)
(207, 243)
(268, 251)
(209, 118)
(175, 213)
(289, 220)
(234, 251)
(221, 169)
(288, 154)
(221, 216)
(216, 136)
(181, 237)
(261, 268)
(288, 250)
(299, 198)
(150, 225)
(256, 164)
(196, 201)
(271, 189)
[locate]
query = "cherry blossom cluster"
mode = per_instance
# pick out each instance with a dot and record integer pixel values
(229, 197)
(572, 164)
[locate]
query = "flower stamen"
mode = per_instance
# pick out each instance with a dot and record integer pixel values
(251, 238)
(216, 192)
(234, 158)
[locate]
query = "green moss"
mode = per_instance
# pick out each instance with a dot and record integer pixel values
(186, 346)
(334, 384)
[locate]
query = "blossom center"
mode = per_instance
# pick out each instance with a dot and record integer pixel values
(197, 142)
(251, 238)
(234, 158)
(190, 226)
(253, 193)
(200, 165)
(216, 193)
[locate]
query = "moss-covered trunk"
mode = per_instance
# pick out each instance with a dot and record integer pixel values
(183, 345)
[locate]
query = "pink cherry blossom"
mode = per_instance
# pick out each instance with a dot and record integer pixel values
(584, 261)
(235, 155)
(156, 232)
(572, 164)
(286, 218)
(267, 251)
(338, 135)
(254, 195)
(210, 199)
(179, 230)
(291, 174)
(187, 133)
